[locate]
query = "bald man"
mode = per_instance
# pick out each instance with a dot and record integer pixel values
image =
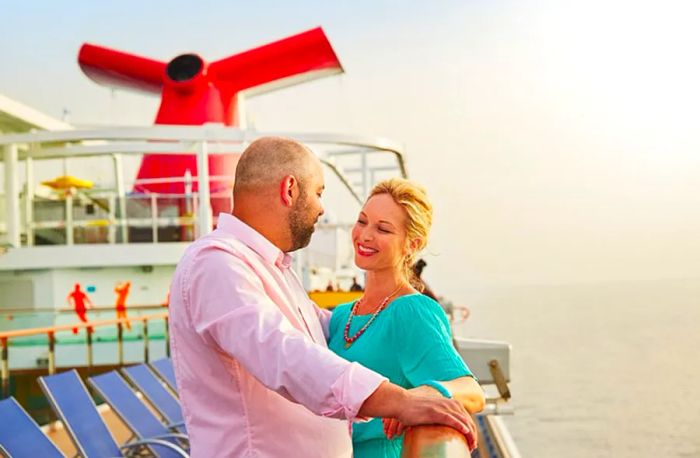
(254, 374)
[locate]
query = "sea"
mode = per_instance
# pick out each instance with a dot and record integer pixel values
(598, 370)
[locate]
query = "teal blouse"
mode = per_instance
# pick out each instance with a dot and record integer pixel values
(409, 342)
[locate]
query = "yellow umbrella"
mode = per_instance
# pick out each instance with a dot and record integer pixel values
(67, 182)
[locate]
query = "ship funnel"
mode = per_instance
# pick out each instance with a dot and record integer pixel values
(184, 67)
(194, 92)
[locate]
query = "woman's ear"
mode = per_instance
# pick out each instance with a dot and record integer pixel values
(288, 187)
(415, 243)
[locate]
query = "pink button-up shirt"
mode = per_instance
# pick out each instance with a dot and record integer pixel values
(254, 373)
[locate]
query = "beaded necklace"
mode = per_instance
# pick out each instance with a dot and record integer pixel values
(350, 340)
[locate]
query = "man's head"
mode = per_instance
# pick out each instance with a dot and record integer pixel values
(278, 191)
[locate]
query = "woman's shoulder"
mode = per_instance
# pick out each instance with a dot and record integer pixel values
(416, 302)
(418, 306)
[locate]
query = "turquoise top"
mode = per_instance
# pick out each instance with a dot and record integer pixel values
(409, 342)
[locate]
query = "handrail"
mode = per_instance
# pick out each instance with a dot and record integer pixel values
(434, 441)
(97, 308)
(70, 327)
(89, 327)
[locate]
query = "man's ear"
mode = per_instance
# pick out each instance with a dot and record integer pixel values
(289, 189)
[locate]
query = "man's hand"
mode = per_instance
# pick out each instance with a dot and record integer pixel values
(427, 406)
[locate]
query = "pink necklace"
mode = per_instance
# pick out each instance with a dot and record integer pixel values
(350, 340)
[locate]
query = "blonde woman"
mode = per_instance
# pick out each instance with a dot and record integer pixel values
(393, 328)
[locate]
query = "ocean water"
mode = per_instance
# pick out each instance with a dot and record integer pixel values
(600, 369)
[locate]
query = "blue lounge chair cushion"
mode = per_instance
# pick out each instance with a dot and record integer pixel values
(72, 403)
(20, 435)
(132, 411)
(151, 387)
(166, 371)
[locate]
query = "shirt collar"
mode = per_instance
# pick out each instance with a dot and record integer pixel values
(254, 240)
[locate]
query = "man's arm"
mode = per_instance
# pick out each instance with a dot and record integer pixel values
(324, 316)
(229, 306)
(414, 407)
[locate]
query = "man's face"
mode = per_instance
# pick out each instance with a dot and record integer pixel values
(307, 209)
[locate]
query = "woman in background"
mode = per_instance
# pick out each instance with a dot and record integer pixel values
(393, 329)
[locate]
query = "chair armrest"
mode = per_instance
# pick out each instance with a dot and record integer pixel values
(170, 445)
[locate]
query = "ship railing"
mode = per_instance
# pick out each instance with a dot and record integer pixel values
(106, 216)
(89, 327)
(356, 163)
(437, 441)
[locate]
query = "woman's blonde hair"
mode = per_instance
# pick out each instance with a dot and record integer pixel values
(413, 198)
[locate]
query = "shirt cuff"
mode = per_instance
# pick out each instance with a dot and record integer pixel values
(352, 389)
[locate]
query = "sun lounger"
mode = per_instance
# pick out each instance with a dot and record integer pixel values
(132, 411)
(20, 435)
(143, 378)
(72, 403)
(164, 369)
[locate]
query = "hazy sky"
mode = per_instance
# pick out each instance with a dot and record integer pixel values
(559, 140)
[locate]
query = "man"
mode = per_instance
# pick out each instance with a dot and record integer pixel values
(253, 370)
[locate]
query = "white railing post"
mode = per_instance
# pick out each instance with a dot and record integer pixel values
(69, 217)
(112, 229)
(154, 217)
(12, 195)
(205, 217)
(29, 201)
(121, 196)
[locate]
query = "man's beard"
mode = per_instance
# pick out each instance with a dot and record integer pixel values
(300, 224)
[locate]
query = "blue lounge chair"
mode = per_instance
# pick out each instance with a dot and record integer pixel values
(164, 368)
(72, 403)
(132, 411)
(143, 378)
(20, 435)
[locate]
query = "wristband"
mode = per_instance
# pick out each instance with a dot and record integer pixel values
(439, 387)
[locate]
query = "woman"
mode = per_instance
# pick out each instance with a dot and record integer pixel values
(393, 328)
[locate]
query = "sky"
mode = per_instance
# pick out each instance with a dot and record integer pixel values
(558, 140)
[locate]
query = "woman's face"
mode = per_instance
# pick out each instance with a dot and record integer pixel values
(379, 235)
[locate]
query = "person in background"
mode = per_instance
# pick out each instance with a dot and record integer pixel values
(355, 286)
(393, 328)
(122, 291)
(254, 374)
(418, 272)
(80, 303)
(446, 305)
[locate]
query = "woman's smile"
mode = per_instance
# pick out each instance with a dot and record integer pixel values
(364, 250)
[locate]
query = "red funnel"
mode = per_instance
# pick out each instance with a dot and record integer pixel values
(194, 92)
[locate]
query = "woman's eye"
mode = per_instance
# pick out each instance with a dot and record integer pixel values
(361, 223)
(385, 231)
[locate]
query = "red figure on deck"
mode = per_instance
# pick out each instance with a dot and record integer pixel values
(80, 302)
(122, 290)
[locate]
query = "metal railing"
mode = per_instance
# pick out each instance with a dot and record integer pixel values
(434, 441)
(341, 154)
(50, 333)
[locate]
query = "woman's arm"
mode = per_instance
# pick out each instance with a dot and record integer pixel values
(467, 391)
